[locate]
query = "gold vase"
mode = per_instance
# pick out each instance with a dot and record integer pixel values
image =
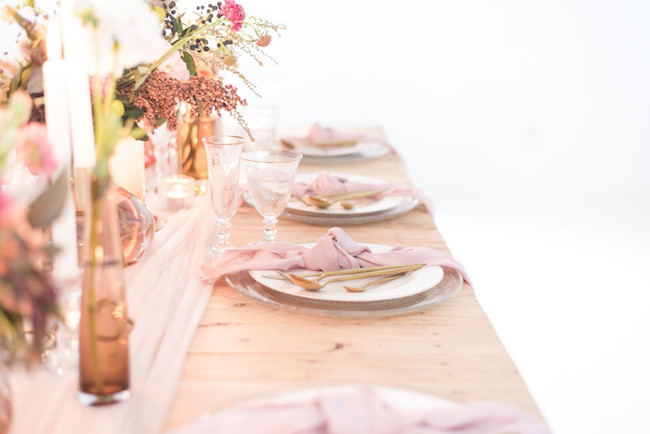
(192, 158)
(104, 325)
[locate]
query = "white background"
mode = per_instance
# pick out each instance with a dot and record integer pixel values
(527, 123)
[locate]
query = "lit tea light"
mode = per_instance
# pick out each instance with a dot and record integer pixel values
(177, 191)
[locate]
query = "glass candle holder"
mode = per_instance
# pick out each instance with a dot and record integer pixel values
(177, 192)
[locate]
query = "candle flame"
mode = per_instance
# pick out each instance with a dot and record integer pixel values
(53, 42)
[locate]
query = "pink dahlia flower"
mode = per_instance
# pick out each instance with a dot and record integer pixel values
(233, 12)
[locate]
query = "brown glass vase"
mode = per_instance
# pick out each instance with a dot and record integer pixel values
(104, 325)
(192, 158)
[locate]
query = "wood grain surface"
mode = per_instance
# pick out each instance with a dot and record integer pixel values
(244, 349)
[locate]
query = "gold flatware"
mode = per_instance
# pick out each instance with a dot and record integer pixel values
(375, 282)
(279, 275)
(322, 144)
(315, 285)
(325, 201)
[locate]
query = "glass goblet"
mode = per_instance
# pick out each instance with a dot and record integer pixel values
(270, 175)
(223, 154)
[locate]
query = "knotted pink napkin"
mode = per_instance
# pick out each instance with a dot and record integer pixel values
(325, 183)
(322, 135)
(333, 251)
(363, 411)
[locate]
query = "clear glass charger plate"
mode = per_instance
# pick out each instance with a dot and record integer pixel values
(449, 286)
(406, 205)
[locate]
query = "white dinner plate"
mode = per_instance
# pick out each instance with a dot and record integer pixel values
(362, 207)
(413, 283)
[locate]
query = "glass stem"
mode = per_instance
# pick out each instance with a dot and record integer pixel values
(223, 233)
(270, 229)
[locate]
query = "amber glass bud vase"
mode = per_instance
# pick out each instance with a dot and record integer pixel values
(104, 325)
(192, 158)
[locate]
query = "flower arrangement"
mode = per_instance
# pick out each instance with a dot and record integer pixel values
(157, 54)
(145, 59)
(27, 293)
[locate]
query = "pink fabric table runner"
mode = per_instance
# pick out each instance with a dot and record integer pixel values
(166, 300)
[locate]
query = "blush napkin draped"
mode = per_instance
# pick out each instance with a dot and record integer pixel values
(363, 411)
(319, 135)
(333, 251)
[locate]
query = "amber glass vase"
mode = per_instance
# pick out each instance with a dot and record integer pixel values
(104, 325)
(192, 157)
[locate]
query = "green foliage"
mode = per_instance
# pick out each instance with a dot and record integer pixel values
(48, 205)
(189, 61)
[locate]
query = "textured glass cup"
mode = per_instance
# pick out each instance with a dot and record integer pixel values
(223, 154)
(270, 175)
(263, 123)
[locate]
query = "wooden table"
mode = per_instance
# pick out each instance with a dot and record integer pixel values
(244, 349)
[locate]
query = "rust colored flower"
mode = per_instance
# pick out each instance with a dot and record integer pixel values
(264, 41)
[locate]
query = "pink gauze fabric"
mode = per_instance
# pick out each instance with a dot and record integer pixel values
(320, 134)
(363, 411)
(332, 251)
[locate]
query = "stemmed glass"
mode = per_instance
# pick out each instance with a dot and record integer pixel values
(223, 154)
(270, 175)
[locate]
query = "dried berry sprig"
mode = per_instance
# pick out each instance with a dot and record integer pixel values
(159, 95)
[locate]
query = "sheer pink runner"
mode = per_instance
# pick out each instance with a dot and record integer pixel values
(166, 300)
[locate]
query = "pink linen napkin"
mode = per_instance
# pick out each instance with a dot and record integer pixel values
(363, 411)
(332, 251)
(325, 183)
(319, 134)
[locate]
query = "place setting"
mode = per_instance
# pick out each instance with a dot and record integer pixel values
(328, 199)
(326, 145)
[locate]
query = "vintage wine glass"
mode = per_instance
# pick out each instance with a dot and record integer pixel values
(270, 175)
(223, 154)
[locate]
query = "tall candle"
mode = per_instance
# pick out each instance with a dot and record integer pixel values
(64, 229)
(83, 133)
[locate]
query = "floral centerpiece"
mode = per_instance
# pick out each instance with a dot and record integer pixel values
(145, 61)
(183, 67)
